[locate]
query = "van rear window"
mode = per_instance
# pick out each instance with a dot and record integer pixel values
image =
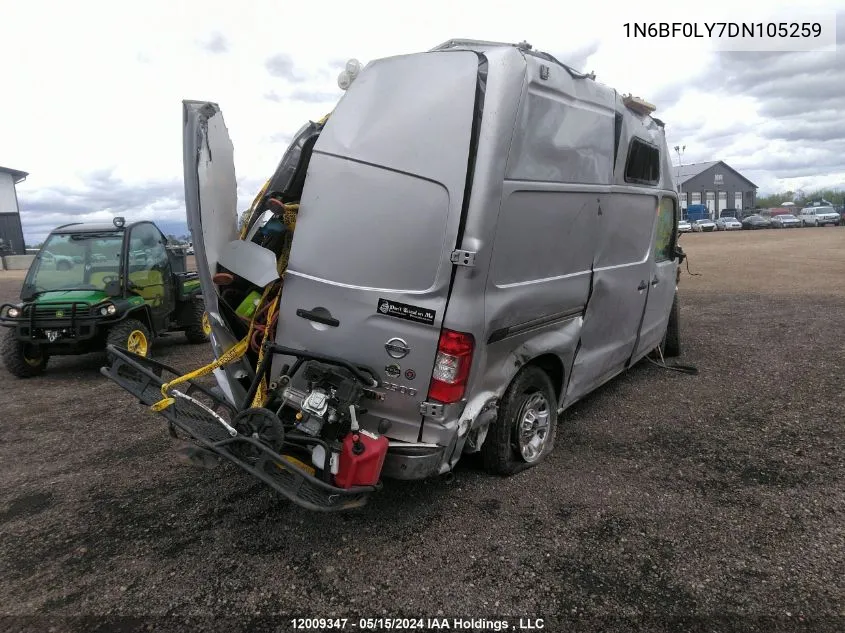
(643, 164)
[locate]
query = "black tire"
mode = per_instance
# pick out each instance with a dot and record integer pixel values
(500, 451)
(125, 335)
(671, 344)
(23, 360)
(196, 318)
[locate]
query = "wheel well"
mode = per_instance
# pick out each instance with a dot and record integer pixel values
(143, 315)
(552, 365)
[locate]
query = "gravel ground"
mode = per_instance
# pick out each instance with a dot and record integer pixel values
(672, 502)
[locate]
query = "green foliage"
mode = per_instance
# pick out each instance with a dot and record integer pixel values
(801, 198)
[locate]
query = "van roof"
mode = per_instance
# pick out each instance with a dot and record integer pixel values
(634, 104)
(524, 46)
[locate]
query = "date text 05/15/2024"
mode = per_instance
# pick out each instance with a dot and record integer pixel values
(723, 29)
(416, 624)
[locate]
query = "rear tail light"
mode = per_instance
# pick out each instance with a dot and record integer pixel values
(451, 366)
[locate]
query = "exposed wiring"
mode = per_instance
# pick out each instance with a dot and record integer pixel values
(689, 271)
(684, 369)
(232, 354)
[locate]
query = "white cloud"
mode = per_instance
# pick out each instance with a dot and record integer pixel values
(98, 86)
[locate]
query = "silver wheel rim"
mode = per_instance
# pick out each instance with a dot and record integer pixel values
(533, 424)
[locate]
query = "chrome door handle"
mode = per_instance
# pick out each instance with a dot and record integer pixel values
(655, 281)
(643, 285)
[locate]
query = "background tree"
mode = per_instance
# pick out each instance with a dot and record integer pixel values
(802, 197)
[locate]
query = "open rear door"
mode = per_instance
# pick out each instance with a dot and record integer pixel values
(211, 204)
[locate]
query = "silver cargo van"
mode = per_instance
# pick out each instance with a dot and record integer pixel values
(475, 238)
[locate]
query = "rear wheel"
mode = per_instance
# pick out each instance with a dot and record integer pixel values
(197, 325)
(22, 359)
(671, 344)
(131, 335)
(524, 431)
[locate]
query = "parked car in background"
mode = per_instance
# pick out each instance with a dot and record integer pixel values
(703, 224)
(728, 223)
(819, 216)
(785, 221)
(684, 226)
(60, 262)
(756, 221)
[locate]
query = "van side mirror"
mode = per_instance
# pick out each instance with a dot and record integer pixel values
(680, 254)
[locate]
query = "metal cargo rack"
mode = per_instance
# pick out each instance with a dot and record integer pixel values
(207, 418)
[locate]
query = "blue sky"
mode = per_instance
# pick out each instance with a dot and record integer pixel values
(93, 112)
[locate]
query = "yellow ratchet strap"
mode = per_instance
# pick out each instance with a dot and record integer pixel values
(232, 354)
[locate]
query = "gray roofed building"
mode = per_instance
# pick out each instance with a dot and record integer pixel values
(11, 231)
(685, 172)
(16, 174)
(716, 185)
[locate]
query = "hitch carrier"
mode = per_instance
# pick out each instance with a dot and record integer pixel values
(201, 414)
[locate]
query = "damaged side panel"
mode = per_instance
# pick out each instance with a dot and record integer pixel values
(623, 264)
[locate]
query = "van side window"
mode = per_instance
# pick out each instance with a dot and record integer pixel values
(665, 230)
(643, 164)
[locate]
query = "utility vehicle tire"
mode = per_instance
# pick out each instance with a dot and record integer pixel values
(197, 327)
(131, 335)
(23, 360)
(528, 405)
(672, 338)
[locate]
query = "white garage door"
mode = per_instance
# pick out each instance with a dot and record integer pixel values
(738, 201)
(723, 201)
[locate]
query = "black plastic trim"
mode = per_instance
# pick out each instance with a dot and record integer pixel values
(525, 326)
(311, 316)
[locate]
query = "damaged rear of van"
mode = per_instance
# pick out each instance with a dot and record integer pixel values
(475, 238)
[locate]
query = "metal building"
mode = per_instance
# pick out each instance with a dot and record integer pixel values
(716, 185)
(11, 231)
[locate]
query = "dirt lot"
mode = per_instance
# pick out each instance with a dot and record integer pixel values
(672, 502)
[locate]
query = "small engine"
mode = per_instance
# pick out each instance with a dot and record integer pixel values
(330, 392)
(328, 412)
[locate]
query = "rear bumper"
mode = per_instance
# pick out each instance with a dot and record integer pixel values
(413, 461)
(197, 414)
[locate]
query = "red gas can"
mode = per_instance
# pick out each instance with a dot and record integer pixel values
(361, 459)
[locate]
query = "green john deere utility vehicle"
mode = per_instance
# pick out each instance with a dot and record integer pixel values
(91, 285)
